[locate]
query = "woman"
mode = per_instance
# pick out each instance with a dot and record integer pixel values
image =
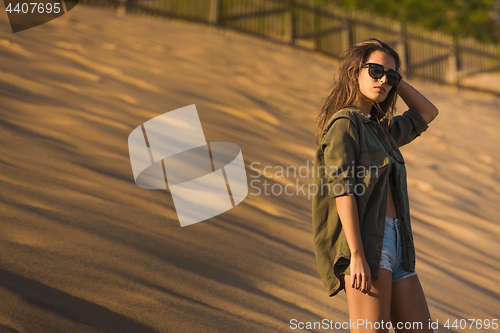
(361, 219)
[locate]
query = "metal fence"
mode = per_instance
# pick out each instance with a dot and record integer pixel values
(325, 28)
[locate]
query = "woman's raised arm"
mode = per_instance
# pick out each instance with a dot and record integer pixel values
(415, 100)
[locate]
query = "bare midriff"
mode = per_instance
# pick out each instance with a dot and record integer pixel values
(391, 208)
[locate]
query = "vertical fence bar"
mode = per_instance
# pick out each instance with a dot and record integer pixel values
(452, 76)
(254, 22)
(213, 17)
(346, 35)
(289, 22)
(122, 7)
(316, 28)
(401, 48)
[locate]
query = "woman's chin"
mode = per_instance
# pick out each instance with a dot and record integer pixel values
(379, 98)
(376, 98)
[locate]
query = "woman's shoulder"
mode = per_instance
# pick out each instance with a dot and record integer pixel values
(342, 122)
(348, 114)
(350, 111)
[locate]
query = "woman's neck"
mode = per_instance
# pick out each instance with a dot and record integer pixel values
(364, 104)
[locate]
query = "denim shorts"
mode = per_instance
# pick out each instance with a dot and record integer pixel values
(392, 250)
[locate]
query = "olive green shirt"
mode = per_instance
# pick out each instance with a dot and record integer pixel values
(353, 158)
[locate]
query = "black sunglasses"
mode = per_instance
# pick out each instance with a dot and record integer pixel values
(377, 71)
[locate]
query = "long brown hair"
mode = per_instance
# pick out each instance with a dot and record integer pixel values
(345, 89)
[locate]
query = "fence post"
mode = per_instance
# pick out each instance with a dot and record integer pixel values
(316, 28)
(401, 50)
(346, 35)
(213, 17)
(453, 64)
(289, 24)
(122, 7)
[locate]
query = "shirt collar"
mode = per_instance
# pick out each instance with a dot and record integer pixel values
(354, 108)
(363, 116)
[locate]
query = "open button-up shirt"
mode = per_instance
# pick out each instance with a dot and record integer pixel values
(354, 158)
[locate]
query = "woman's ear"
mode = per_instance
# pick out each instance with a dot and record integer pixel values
(351, 75)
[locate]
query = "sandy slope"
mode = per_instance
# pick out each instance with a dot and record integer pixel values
(83, 249)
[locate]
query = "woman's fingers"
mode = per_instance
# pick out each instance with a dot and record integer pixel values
(361, 282)
(368, 285)
(356, 281)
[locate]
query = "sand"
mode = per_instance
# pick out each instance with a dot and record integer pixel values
(83, 249)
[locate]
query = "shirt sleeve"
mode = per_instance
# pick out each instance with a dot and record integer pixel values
(341, 149)
(406, 127)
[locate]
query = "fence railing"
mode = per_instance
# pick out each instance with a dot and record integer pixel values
(325, 28)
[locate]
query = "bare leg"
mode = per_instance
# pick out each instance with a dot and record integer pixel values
(372, 308)
(409, 306)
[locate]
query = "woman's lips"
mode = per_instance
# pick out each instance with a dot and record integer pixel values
(380, 89)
